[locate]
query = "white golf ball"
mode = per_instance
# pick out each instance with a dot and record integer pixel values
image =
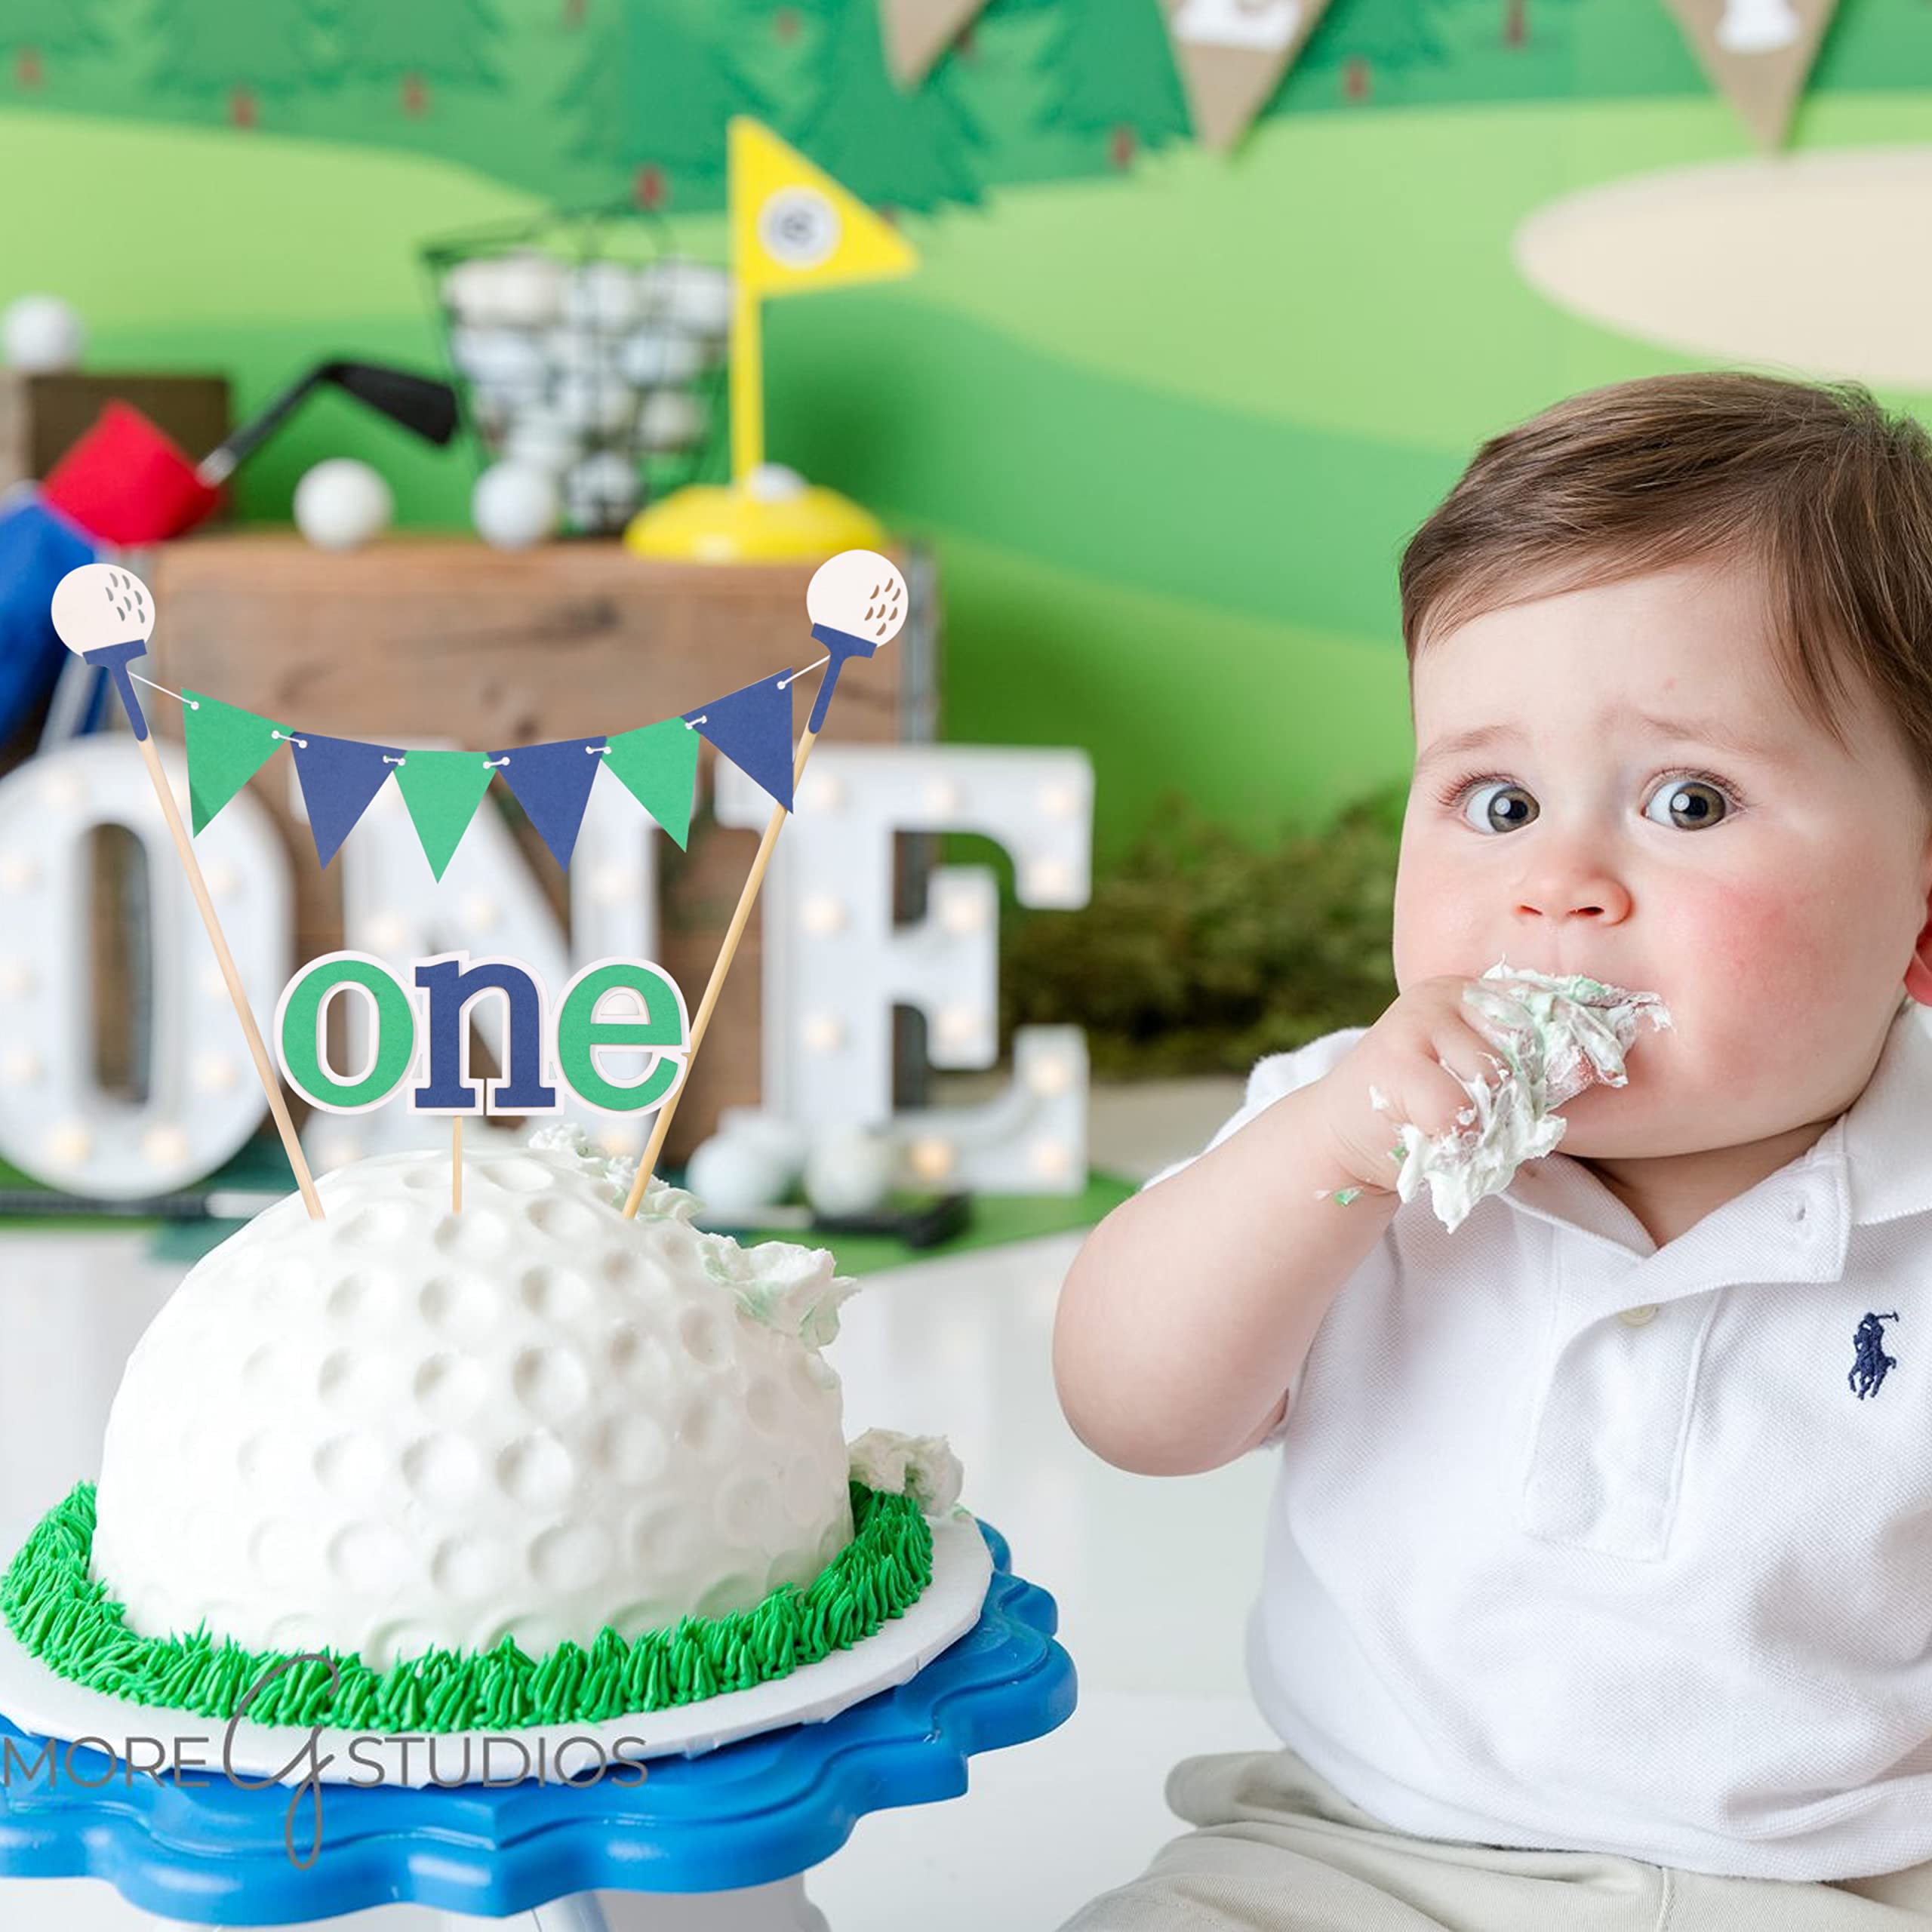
(341, 503)
(786, 1141)
(488, 411)
(850, 1170)
(541, 436)
(523, 291)
(737, 1179)
(774, 483)
(598, 401)
(513, 504)
(670, 419)
(650, 357)
(400, 1427)
(462, 292)
(507, 358)
(602, 295)
(504, 402)
(580, 350)
(601, 492)
(694, 294)
(42, 335)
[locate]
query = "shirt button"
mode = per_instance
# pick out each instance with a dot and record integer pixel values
(1635, 1318)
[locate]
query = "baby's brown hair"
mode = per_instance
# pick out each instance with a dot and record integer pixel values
(1827, 492)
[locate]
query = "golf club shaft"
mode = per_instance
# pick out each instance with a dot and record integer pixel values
(219, 462)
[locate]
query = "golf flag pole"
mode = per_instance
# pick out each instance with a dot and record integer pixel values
(793, 229)
(105, 616)
(856, 601)
(747, 379)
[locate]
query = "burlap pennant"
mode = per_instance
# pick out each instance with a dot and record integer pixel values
(917, 31)
(1231, 55)
(1758, 53)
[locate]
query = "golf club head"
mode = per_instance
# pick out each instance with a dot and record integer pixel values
(420, 404)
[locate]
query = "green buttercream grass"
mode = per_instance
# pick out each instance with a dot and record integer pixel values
(71, 1623)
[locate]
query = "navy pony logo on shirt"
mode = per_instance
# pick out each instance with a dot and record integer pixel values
(1873, 1362)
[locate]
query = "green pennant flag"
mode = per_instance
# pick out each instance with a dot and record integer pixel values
(442, 790)
(226, 747)
(659, 764)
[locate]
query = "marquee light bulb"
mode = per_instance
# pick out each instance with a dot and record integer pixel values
(860, 592)
(100, 604)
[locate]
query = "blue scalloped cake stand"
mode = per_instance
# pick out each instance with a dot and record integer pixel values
(746, 1821)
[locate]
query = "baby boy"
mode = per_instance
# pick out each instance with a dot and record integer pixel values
(1597, 1585)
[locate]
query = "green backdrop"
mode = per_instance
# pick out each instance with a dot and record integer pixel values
(1167, 418)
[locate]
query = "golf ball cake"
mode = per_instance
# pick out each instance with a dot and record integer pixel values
(401, 1427)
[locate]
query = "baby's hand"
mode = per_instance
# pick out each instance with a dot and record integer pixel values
(1409, 1057)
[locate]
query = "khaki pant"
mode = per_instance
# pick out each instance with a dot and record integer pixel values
(1277, 1849)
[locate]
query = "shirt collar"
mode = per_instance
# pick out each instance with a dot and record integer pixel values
(1873, 1164)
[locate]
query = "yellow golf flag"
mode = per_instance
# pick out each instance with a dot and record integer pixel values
(794, 227)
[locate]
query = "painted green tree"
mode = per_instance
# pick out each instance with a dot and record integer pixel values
(1114, 77)
(31, 30)
(267, 50)
(1516, 23)
(895, 149)
(1364, 38)
(651, 99)
(447, 42)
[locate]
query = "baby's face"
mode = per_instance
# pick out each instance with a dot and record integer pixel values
(1773, 896)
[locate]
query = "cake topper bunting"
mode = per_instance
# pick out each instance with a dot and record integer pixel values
(856, 601)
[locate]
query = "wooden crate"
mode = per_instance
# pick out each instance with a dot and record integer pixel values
(432, 636)
(42, 417)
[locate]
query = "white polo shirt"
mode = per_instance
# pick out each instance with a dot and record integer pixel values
(1584, 1544)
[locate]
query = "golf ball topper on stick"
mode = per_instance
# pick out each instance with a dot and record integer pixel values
(856, 601)
(105, 616)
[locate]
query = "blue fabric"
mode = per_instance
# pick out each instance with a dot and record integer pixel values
(340, 776)
(552, 783)
(37, 548)
(752, 727)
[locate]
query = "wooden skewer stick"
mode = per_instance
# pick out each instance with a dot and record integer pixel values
(258, 1052)
(456, 1164)
(648, 1163)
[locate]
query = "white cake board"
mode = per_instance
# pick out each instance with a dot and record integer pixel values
(34, 1699)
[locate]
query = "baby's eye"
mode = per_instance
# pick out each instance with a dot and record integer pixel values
(1692, 803)
(1492, 818)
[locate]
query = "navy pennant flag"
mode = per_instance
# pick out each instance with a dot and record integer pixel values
(752, 727)
(340, 776)
(552, 783)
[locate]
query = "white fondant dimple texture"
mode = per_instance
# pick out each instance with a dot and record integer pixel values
(399, 1427)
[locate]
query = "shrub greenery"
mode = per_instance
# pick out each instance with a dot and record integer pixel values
(1200, 953)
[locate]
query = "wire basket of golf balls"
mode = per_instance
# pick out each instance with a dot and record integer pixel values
(590, 355)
